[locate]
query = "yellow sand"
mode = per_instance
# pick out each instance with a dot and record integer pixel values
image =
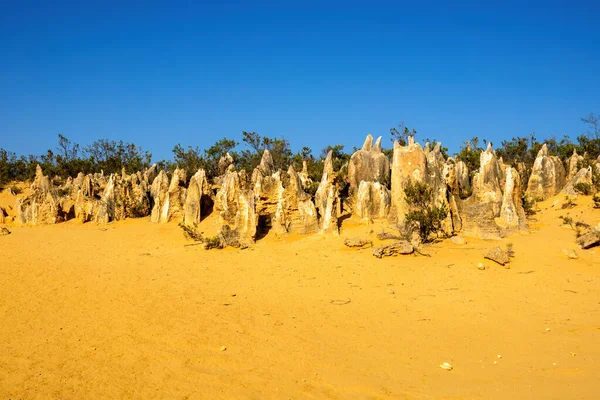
(127, 310)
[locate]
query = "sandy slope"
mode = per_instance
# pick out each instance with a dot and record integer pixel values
(126, 310)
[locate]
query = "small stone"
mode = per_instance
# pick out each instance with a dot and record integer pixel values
(548, 329)
(357, 242)
(498, 255)
(570, 254)
(399, 247)
(4, 231)
(588, 239)
(446, 366)
(390, 291)
(480, 266)
(499, 356)
(223, 348)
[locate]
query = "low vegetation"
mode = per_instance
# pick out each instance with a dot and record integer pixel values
(423, 216)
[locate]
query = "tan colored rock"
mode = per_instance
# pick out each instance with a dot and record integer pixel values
(198, 199)
(368, 164)
(409, 163)
(327, 201)
(583, 176)
(296, 212)
(548, 176)
(373, 201)
(177, 193)
(512, 214)
(464, 180)
(487, 183)
(160, 194)
(574, 162)
(497, 255)
(224, 163)
(236, 208)
(399, 247)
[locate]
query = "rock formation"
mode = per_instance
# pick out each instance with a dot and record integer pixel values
(160, 194)
(41, 206)
(368, 164)
(512, 214)
(583, 176)
(198, 201)
(372, 201)
(235, 207)
(574, 162)
(547, 176)
(409, 163)
(327, 201)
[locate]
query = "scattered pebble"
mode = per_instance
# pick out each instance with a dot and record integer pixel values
(480, 266)
(573, 354)
(223, 348)
(499, 356)
(548, 329)
(390, 291)
(446, 366)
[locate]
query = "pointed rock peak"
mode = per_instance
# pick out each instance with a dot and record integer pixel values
(543, 151)
(411, 140)
(304, 167)
(574, 153)
(291, 170)
(38, 171)
(368, 144)
(328, 165)
(266, 163)
(377, 145)
(489, 148)
(427, 147)
(396, 145)
(438, 147)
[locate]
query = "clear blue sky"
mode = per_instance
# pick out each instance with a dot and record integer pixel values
(316, 72)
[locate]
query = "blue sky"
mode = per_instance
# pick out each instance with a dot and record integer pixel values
(317, 73)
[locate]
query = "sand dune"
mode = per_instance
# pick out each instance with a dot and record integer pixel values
(129, 310)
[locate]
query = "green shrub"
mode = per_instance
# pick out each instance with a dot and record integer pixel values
(583, 188)
(528, 205)
(422, 214)
(16, 190)
(569, 203)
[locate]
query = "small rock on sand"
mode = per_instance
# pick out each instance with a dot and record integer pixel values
(498, 255)
(357, 242)
(570, 253)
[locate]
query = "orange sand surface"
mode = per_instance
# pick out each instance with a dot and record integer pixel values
(127, 310)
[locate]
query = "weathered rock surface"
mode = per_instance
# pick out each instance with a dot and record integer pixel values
(368, 164)
(373, 201)
(583, 176)
(548, 176)
(409, 163)
(399, 247)
(160, 194)
(497, 255)
(327, 201)
(41, 206)
(236, 209)
(198, 201)
(589, 239)
(224, 163)
(4, 231)
(512, 214)
(296, 212)
(573, 163)
(357, 242)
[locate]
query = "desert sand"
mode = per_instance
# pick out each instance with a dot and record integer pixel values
(134, 310)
